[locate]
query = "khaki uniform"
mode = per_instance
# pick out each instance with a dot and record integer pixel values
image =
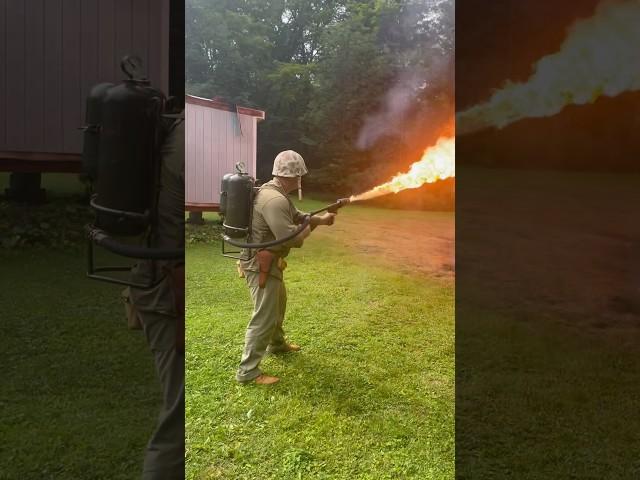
(274, 216)
(164, 458)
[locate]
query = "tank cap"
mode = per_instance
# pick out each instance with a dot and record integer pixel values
(241, 168)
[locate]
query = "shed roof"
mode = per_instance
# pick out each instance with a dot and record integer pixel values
(223, 105)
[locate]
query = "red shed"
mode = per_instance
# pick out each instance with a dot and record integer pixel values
(219, 135)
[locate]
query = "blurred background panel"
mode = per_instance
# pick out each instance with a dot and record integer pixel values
(547, 239)
(56, 50)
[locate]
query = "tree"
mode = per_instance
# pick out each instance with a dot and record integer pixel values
(351, 85)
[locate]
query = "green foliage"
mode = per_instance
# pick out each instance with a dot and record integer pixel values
(209, 232)
(57, 224)
(321, 70)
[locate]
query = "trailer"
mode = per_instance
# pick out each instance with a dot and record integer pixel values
(51, 54)
(219, 135)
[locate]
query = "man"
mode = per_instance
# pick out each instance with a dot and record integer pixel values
(161, 312)
(274, 217)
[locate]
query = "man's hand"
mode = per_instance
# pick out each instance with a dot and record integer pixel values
(328, 218)
(324, 219)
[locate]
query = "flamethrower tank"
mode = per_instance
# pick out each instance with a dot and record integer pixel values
(224, 187)
(121, 157)
(91, 140)
(128, 153)
(239, 203)
(238, 192)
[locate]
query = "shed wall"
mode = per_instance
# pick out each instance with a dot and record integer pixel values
(214, 145)
(53, 51)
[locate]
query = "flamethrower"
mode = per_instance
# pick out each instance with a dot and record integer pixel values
(126, 125)
(236, 207)
(238, 191)
(333, 208)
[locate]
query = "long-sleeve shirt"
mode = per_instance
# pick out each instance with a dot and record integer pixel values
(274, 217)
(169, 229)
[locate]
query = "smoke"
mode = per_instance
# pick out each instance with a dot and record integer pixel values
(599, 56)
(425, 71)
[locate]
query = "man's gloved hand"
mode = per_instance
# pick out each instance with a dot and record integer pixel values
(324, 219)
(328, 218)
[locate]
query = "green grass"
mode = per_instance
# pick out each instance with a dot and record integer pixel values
(79, 397)
(546, 371)
(369, 397)
(543, 401)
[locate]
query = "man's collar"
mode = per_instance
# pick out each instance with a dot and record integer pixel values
(278, 185)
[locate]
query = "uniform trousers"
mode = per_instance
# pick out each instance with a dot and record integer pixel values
(264, 332)
(164, 457)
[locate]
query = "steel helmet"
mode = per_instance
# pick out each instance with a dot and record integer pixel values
(289, 164)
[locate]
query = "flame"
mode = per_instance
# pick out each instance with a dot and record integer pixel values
(437, 163)
(599, 56)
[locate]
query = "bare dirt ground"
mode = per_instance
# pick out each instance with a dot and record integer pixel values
(409, 241)
(554, 246)
(549, 245)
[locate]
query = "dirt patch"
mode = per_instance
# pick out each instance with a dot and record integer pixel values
(551, 245)
(411, 242)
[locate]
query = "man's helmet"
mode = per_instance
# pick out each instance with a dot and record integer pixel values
(289, 164)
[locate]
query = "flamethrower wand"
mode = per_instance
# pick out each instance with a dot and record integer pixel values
(332, 208)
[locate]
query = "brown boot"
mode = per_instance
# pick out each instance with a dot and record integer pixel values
(266, 380)
(289, 347)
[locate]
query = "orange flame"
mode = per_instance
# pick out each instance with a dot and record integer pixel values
(437, 163)
(581, 71)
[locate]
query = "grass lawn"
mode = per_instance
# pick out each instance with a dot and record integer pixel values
(369, 397)
(547, 359)
(539, 401)
(79, 395)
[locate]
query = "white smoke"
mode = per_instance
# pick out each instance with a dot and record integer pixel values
(600, 56)
(435, 20)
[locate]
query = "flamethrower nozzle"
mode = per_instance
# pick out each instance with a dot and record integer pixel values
(333, 208)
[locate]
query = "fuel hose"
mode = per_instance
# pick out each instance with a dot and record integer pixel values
(305, 223)
(132, 251)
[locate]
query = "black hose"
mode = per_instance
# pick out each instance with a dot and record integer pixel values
(132, 251)
(305, 223)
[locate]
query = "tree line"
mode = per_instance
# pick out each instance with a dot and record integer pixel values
(359, 88)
